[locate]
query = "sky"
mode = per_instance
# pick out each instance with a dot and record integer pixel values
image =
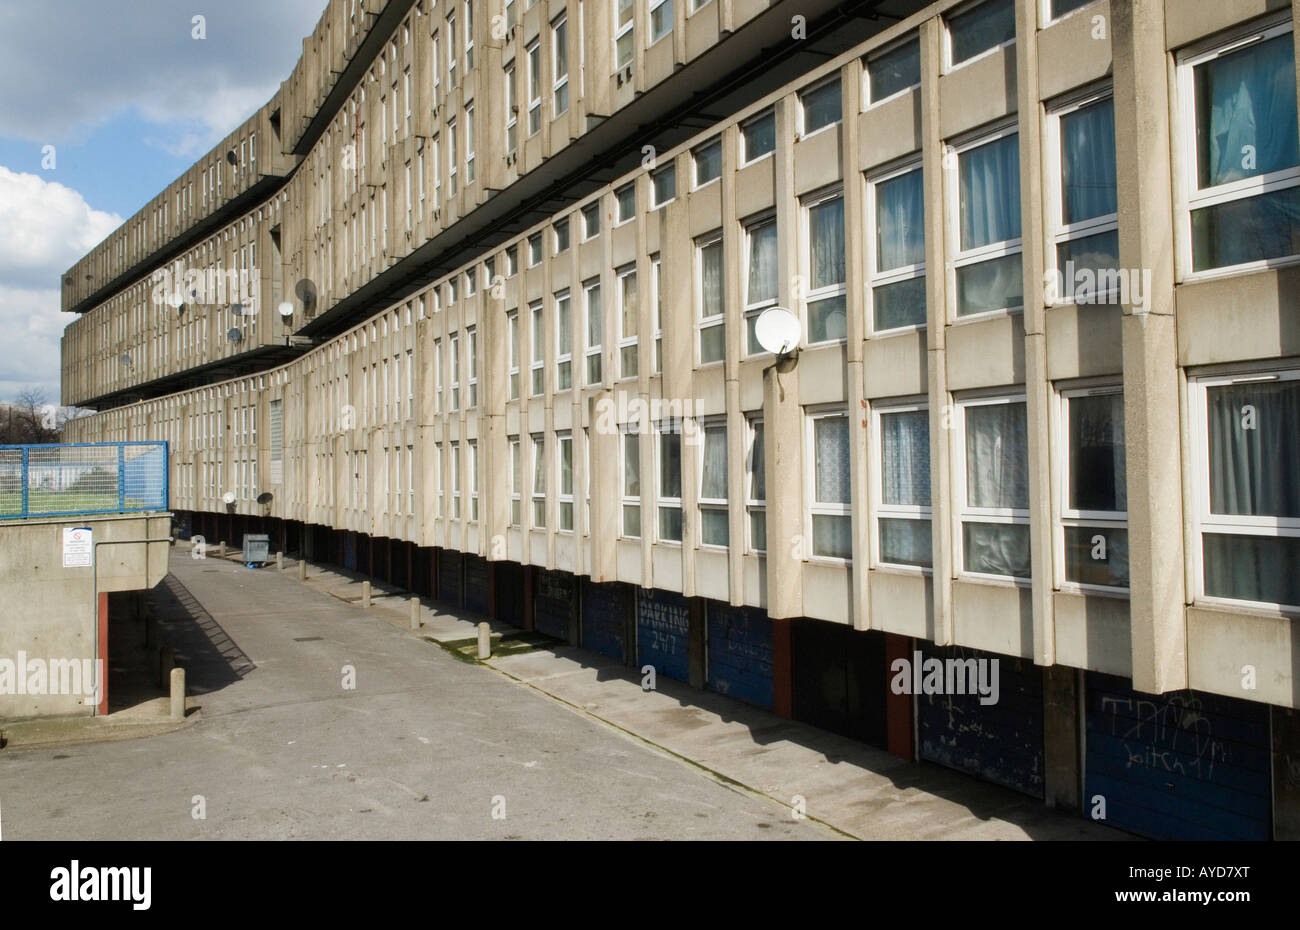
(129, 99)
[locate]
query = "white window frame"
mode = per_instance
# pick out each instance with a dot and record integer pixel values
(811, 296)
(662, 501)
(537, 344)
(696, 183)
(1228, 524)
(451, 156)
(622, 30)
(534, 250)
(469, 142)
(879, 510)
(1066, 516)
(453, 350)
(590, 229)
(657, 301)
(961, 511)
(563, 360)
(564, 499)
(876, 278)
(512, 108)
(516, 482)
(815, 507)
(811, 89)
(619, 218)
(630, 435)
(754, 505)
(538, 494)
(559, 81)
(1185, 166)
(668, 169)
(1058, 232)
(653, 7)
(473, 480)
(962, 258)
(752, 309)
(512, 327)
(876, 55)
(713, 504)
(626, 342)
(471, 345)
(1045, 17)
(533, 58)
(593, 350)
(745, 157)
(456, 511)
(718, 319)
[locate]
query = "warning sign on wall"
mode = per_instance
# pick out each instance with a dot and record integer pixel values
(77, 546)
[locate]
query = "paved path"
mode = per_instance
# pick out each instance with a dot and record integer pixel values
(425, 746)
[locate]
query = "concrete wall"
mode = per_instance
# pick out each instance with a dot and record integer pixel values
(49, 612)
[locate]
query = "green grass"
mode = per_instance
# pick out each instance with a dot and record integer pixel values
(39, 502)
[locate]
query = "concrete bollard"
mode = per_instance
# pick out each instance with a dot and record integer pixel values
(415, 613)
(302, 569)
(178, 693)
(279, 561)
(484, 640)
(221, 549)
(365, 594)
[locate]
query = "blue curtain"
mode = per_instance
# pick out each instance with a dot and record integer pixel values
(1247, 99)
(900, 222)
(1088, 162)
(990, 192)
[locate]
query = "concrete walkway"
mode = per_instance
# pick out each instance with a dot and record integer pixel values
(854, 788)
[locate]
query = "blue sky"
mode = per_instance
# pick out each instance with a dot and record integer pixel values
(129, 99)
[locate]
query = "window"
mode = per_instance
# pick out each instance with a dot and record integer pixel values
(512, 324)
(471, 282)
(714, 528)
(560, 63)
(539, 481)
(451, 157)
(516, 482)
(898, 259)
(760, 276)
(437, 64)
(623, 35)
(451, 50)
(708, 163)
(827, 320)
(512, 110)
(758, 137)
(902, 493)
(821, 107)
(534, 250)
(561, 236)
(454, 350)
(994, 493)
(661, 19)
(469, 143)
(669, 501)
(473, 480)
(1238, 108)
(1084, 217)
(979, 29)
(664, 185)
(511, 15)
(590, 221)
(564, 443)
(455, 481)
(626, 197)
(539, 349)
(469, 36)
(471, 338)
(437, 376)
(563, 343)
(628, 316)
(987, 265)
(756, 493)
(595, 327)
(712, 325)
(534, 54)
(1094, 490)
(832, 534)
(893, 71)
(1245, 431)
(631, 485)
(512, 261)
(656, 284)
(1058, 8)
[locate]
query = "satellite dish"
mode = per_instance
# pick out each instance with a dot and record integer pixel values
(777, 330)
(125, 360)
(232, 158)
(236, 309)
(265, 498)
(177, 300)
(306, 291)
(286, 309)
(69, 280)
(234, 335)
(228, 497)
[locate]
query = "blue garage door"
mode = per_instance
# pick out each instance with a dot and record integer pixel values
(1179, 766)
(350, 551)
(1000, 742)
(478, 586)
(663, 633)
(554, 603)
(604, 607)
(740, 653)
(510, 592)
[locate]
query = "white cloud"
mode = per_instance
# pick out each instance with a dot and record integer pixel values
(33, 325)
(72, 65)
(44, 228)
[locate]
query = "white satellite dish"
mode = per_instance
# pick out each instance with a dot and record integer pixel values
(777, 330)
(286, 309)
(228, 497)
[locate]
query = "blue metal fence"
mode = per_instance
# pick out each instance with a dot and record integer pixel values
(65, 479)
